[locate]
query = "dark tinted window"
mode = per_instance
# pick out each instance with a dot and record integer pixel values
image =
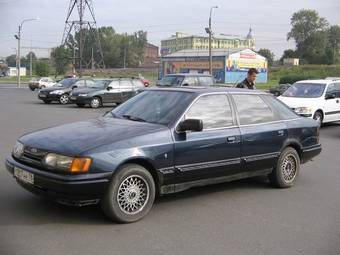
(162, 107)
(282, 110)
(253, 110)
(213, 110)
(171, 80)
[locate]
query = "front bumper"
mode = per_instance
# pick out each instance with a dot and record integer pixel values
(77, 190)
(49, 97)
(310, 152)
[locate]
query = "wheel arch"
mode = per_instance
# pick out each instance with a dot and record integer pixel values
(295, 145)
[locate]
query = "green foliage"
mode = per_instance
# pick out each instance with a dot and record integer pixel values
(62, 58)
(42, 68)
(11, 60)
(293, 78)
(267, 54)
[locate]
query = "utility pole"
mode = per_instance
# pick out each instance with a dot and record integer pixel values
(124, 59)
(209, 31)
(31, 59)
(92, 60)
(18, 37)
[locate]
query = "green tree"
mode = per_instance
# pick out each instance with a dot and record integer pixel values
(42, 68)
(11, 60)
(333, 48)
(269, 55)
(61, 59)
(310, 34)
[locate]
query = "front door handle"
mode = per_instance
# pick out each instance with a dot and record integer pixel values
(231, 139)
(280, 132)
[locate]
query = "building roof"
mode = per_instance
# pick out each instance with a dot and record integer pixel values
(151, 45)
(203, 53)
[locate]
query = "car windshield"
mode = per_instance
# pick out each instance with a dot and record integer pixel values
(100, 84)
(307, 90)
(171, 80)
(161, 107)
(66, 82)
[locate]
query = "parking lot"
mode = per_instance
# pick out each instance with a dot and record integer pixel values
(242, 217)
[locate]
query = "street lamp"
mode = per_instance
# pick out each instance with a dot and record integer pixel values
(209, 31)
(18, 37)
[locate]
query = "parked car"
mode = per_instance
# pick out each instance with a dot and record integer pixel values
(41, 83)
(104, 91)
(61, 91)
(186, 79)
(161, 141)
(279, 89)
(317, 99)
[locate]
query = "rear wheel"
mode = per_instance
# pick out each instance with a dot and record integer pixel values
(64, 99)
(95, 102)
(130, 195)
(286, 170)
(318, 117)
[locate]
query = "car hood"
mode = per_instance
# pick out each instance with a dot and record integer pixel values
(294, 102)
(78, 137)
(76, 92)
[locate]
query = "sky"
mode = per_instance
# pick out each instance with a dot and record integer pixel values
(269, 19)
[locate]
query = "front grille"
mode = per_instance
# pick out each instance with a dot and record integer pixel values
(33, 156)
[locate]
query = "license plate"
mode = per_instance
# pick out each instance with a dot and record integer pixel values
(23, 175)
(42, 95)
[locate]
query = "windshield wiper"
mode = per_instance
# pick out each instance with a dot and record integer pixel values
(134, 118)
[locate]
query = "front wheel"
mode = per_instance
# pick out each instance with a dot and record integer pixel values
(318, 117)
(130, 195)
(95, 102)
(64, 99)
(286, 170)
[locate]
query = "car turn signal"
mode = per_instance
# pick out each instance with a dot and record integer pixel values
(80, 165)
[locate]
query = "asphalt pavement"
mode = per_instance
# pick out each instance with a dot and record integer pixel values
(241, 217)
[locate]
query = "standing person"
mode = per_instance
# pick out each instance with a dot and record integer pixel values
(249, 82)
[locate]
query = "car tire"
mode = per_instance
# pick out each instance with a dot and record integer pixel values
(95, 102)
(80, 105)
(318, 117)
(287, 169)
(47, 101)
(64, 99)
(130, 194)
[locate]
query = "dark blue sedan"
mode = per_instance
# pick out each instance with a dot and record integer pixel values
(161, 141)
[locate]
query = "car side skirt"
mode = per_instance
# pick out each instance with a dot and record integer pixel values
(173, 188)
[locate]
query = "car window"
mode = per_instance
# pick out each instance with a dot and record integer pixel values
(80, 83)
(90, 83)
(337, 90)
(44, 80)
(331, 89)
(171, 80)
(125, 84)
(213, 110)
(282, 110)
(190, 81)
(137, 83)
(253, 110)
(114, 84)
(205, 81)
(305, 90)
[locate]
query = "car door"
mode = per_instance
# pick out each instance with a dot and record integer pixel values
(126, 88)
(214, 151)
(263, 134)
(332, 105)
(112, 93)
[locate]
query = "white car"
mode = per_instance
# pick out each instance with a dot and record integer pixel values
(41, 83)
(317, 99)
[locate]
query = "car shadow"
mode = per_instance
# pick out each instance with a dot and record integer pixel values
(29, 210)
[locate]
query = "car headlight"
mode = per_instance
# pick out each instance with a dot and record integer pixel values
(303, 110)
(83, 95)
(67, 164)
(57, 92)
(18, 149)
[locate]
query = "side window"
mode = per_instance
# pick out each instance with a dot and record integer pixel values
(114, 84)
(213, 110)
(79, 84)
(337, 90)
(253, 110)
(284, 112)
(190, 81)
(125, 84)
(44, 80)
(205, 81)
(331, 89)
(90, 83)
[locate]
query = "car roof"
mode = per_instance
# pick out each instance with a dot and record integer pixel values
(205, 90)
(319, 81)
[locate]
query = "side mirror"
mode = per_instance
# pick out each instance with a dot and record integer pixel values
(190, 125)
(329, 96)
(109, 88)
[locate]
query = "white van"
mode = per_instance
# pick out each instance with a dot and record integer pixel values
(317, 99)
